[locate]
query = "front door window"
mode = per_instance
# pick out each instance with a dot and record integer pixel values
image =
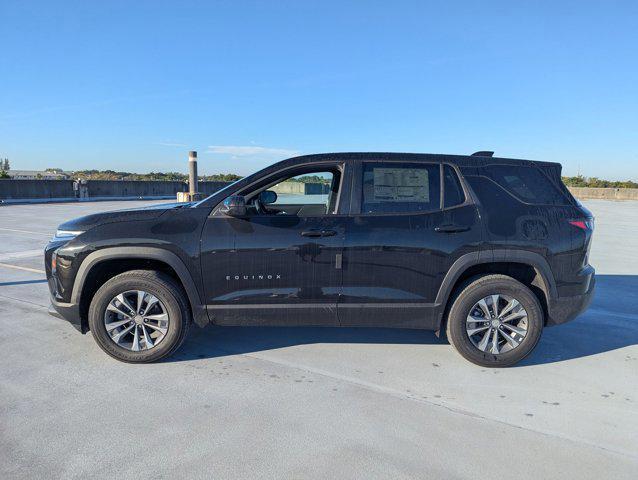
(309, 194)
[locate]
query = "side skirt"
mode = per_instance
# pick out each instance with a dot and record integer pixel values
(388, 315)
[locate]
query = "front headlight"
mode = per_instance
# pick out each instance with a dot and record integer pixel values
(66, 234)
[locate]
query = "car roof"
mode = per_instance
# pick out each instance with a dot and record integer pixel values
(459, 160)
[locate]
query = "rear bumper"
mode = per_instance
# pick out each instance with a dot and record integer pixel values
(69, 312)
(564, 309)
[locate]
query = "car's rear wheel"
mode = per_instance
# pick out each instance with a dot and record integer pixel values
(495, 321)
(139, 316)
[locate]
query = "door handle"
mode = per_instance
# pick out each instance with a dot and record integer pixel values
(451, 229)
(311, 233)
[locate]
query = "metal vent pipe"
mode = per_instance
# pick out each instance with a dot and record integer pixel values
(192, 172)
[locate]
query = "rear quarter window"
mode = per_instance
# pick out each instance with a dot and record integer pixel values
(528, 184)
(452, 191)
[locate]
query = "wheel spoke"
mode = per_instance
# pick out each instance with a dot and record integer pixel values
(513, 343)
(520, 331)
(151, 301)
(140, 301)
(513, 303)
(136, 340)
(494, 348)
(483, 306)
(160, 317)
(162, 330)
(112, 308)
(482, 345)
(122, 299)
(118, 323)
(474, 331)
(147, 338)
(475, 319)
(495, 299)
(120, 335)
(515, 316)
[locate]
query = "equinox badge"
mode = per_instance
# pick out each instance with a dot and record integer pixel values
(253, 277)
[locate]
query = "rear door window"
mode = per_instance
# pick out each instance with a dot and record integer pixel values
(400, 187)
(528, 184)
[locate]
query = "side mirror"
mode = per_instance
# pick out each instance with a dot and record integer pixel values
(234, 206)
(268, 196)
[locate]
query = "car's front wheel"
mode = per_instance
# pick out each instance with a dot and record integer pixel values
(495, 321)
(139, 316)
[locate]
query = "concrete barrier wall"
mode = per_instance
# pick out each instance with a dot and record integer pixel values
(316, 188)
(134, 188)
(208, 188)
(587, 193)
(62, 190)
(27, 189)
(299, 188)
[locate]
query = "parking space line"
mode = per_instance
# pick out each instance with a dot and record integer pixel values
(20, 300)
(23, 254)
(26, 269)
(25, 231)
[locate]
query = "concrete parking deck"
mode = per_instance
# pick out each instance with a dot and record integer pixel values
(316, 402)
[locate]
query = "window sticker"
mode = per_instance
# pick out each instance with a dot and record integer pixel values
(401, 185)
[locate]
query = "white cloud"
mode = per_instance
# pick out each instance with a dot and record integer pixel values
(251, 151)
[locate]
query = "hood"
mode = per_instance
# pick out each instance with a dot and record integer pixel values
(128, 215)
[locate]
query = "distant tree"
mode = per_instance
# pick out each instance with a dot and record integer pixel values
(310, 179)
(220, 177)
(4, 174)
(167, 176)
(580, 181)
(54, 170)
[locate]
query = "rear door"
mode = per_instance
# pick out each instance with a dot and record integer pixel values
(402, 238)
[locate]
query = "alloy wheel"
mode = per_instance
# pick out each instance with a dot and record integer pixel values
(136, 320)
(497, 324)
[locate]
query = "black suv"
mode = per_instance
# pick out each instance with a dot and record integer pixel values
(487, 250)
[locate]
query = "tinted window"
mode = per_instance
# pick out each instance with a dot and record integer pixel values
(528, 184)
(312, 193)
(400, 187)
(305, 189)
(452, 190)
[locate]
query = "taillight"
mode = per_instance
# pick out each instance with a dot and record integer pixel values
(583, 224)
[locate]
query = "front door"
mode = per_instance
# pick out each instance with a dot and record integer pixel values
(281, 263)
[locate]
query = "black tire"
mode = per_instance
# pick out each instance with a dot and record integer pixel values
(161, 286)
(471, 293)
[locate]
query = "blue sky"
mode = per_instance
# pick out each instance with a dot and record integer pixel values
(134, 85)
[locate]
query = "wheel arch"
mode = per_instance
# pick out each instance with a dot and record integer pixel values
(134, 257)
(506, 261)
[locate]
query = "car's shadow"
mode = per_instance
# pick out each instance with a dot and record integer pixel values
(610, 323)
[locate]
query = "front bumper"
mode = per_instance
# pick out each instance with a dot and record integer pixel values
(564, 309)
(69, 312)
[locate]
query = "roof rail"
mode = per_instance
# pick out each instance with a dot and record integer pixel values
(483, 153)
